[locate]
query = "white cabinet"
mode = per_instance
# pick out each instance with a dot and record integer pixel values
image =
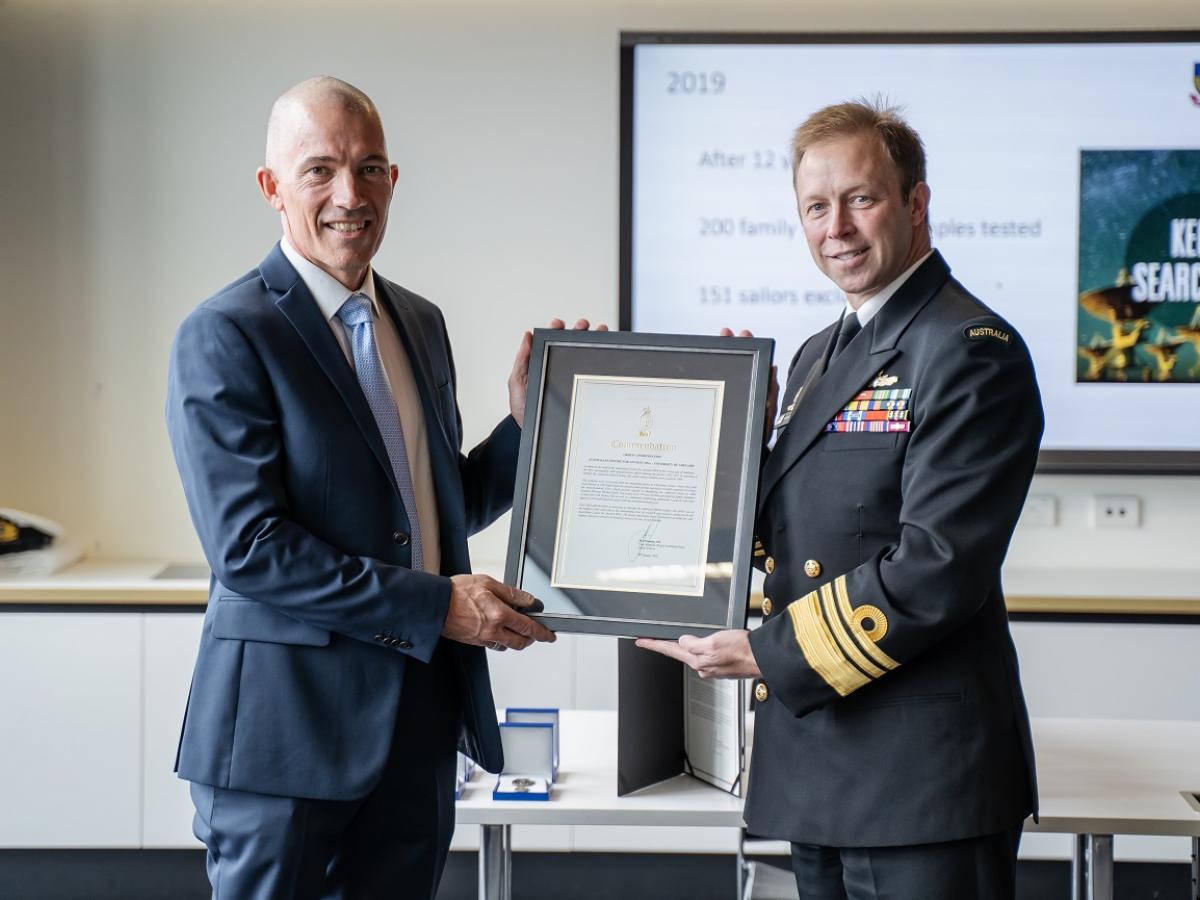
(169, 652)
(70, 729)
(90, 709)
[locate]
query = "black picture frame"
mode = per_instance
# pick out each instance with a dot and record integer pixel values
(742, 367)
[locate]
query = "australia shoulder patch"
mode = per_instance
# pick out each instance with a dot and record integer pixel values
(984, 332)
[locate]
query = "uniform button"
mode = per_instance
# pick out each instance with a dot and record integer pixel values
(760, 692)
(400, 537)
(766, 606)
(812, 568)
(769, 565)
(380, 637)
(404, 645)
(392, 642)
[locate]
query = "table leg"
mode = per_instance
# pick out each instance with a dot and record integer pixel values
(1196, 868)
(741, 864)
(1100, 867)
(495, 862)
(1079, 867)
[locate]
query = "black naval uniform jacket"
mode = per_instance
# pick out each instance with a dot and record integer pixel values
(890, 709)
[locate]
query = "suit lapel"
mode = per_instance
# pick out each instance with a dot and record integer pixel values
(301, 310)
(806, 369)
(824, 395)
(812, 368)
(415, 345)
(443, 455)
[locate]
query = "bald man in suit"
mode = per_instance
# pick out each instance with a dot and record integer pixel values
(312, 412)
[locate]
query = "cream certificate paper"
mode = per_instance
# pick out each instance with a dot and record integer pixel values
(713, 728)
(637, 488)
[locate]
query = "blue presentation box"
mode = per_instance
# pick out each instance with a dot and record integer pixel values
(528, 761)
(545, 715)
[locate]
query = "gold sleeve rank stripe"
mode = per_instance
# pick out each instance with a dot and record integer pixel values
(849, 648)
(820, 649)
(838, 641)
(858, 618)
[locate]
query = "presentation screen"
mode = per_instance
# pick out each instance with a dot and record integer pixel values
(1065, 179)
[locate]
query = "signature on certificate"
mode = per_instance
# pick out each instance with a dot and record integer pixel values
(644, 543)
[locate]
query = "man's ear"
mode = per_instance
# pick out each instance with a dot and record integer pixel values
(919, 201)
(269, 187)
(395, 173)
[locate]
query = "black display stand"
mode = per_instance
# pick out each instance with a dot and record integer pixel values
(653, 725)
(650, 733)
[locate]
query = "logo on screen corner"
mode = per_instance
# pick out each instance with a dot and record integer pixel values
(1196, 81)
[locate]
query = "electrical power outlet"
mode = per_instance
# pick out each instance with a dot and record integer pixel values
(1117, 511)
(1041, 511)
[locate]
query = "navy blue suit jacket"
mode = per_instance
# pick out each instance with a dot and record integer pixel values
(313, 608)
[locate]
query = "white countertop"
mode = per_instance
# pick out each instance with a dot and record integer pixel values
(586, 790)
(105, 581)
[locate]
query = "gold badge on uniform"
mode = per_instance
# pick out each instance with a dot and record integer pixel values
(987, 333)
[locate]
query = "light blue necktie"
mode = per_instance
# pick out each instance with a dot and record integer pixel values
(357, 315)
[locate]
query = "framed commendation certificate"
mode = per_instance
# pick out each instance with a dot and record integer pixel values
(634, 503)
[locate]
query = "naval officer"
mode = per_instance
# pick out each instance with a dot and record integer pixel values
(892, 745)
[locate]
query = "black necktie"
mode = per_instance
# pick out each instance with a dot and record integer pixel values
(850, 327)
